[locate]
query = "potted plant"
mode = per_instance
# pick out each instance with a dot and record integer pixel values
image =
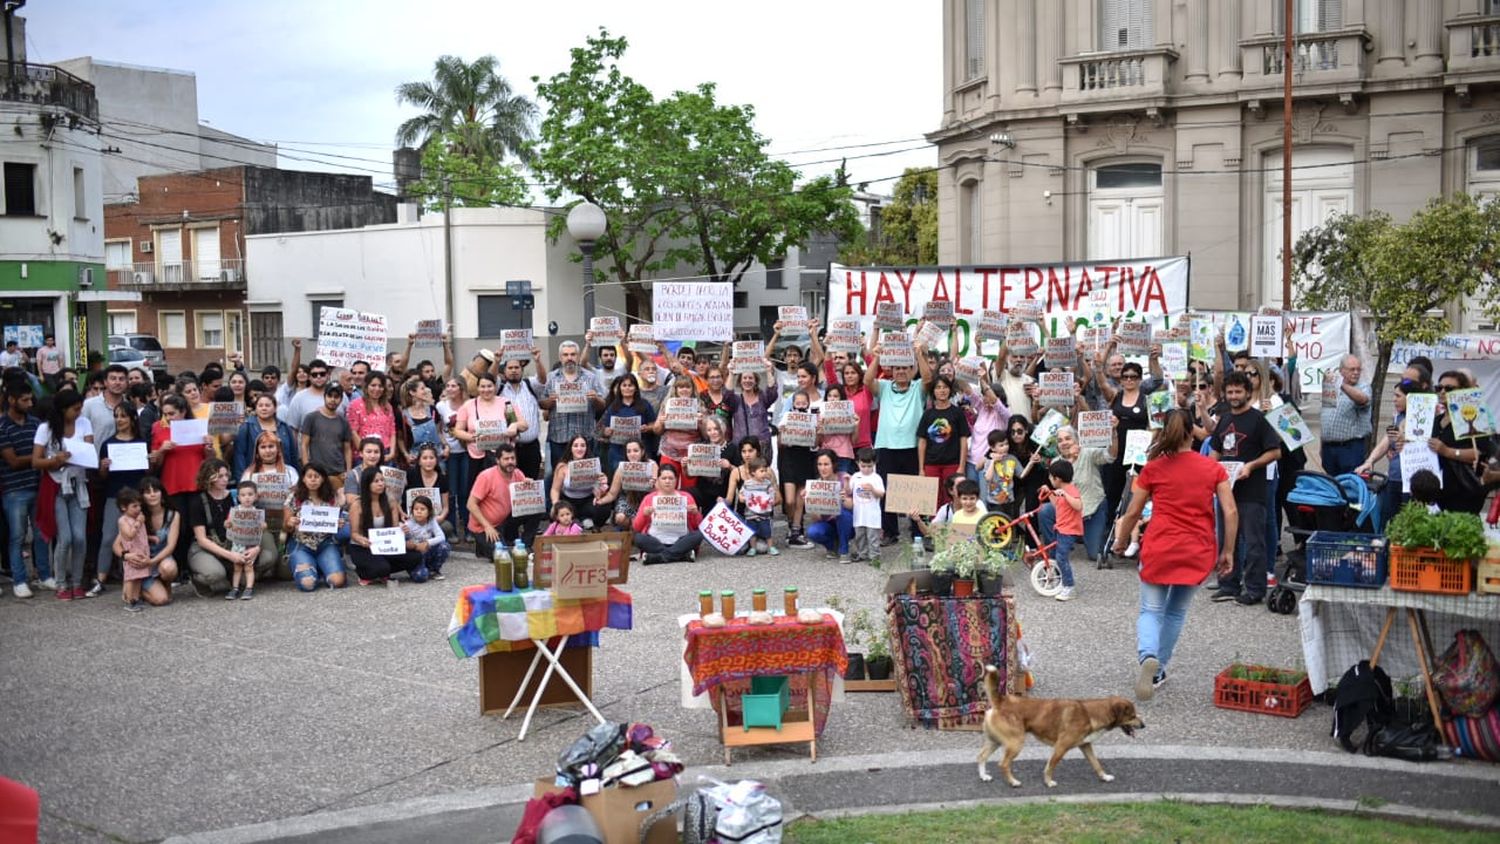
(856, 667)
(866, 632)
(1434, 552)
(1410, 704)
(1262, 689)
(992, 565)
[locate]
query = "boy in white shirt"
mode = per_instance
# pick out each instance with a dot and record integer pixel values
(865, 492)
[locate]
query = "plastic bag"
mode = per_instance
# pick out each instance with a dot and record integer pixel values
(592, 752)
(747, 814)
(1466, 675)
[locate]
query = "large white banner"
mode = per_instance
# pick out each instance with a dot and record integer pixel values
(696, 310)
(1454, 347)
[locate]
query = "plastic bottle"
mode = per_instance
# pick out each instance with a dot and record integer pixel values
(504, 570)
(917, 550)
(518, 557)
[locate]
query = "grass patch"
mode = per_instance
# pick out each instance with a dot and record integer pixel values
(1111, 823)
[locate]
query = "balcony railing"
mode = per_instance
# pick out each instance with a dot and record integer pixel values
(227, 272)
(43, 84)
(1307, 56)
(1474, 44)
(1336, 59)
(1123, 76)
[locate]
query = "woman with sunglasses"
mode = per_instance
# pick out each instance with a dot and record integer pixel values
(1460, 456)
(1129, 407)
(1033, 474)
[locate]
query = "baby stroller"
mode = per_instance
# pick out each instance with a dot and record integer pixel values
(1106, 555)
(1348, 503)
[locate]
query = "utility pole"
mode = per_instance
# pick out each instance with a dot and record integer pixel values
(1288, 24)
(448, 255)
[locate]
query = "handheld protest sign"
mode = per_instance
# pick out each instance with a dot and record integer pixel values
(1267, 337)
(623, 429)
(516, 344)
(637, 476)
(641, 339)
(703, 460)
(838, 417)
(1095, 430)
(387, 542)
(1133, 338)
(794, 320)
(246, 526)
(583, 472)
(992, 325)
(606, 331)
(225, 417)
(799, 428)
(939, 312)
(911, 494)
(429, 333)
(571, 396)
(679, 414)
(889, 316)
(1055, 389)
(823, 498)
(896, 349)
(526, 499)
(1060, 353)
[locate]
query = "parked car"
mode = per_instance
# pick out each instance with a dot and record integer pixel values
(146, 344)
(130, 358)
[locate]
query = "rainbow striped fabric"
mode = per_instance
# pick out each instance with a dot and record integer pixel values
(486, 620)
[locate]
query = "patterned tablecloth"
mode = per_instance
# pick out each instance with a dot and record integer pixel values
(486, 620)
(940, 647)
(1340, 626)
(729, 656)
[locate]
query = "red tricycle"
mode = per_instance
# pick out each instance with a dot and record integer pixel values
(998, 532)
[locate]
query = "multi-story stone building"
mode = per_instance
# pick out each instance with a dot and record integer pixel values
(1081, 129)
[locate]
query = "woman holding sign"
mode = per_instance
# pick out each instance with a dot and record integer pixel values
(211, 558)
(370, 511)
(831, 530)
(314, 556)
(624, 418)
(574, 483)
(273, 478)
(126, 434)
(66, 433)
(426, 472)
(488, 406)
(623, 498)
(1458, 455)
(666, 525)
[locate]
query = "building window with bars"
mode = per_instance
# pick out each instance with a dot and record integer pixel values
(974, 39)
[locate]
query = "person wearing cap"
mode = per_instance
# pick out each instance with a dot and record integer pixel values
(484, 361)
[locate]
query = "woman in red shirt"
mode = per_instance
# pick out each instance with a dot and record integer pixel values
(1179, 549)
(177, 464)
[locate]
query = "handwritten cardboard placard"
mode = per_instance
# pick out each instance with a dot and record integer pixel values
(1201, 340)
(1060, 353)
(641, 339)
(346, 336)
(911, 493)
(623, 429)
(572, 396)
(316, 518)
(1333, 381)
(581, 571)
(838, 417)
(395, 481)
(992, 324)
(607, 331)
(637, 476)
(939, 312)
(703, 460)
(724, 530)
(431, 493)
(270, 490)
(1133, 338)
(693, 310)
(526, 498)
(225, 417)
(1290, 425)
(793, 320)
(1471, 418)
(429, 333)
(131, 457)
(823, 498)
(387, 542)
(799, 428)
(1174, 359)
(583, 472)
(1266, 336)
(515, 344)
(896, 349)
(669, 513)
(680, 414)
(889, 316)
(1021, 338)
(1095, 429)
(1421, 414)
(489, 434)
(246, 525)
(1137, 442)
(1055, 389)
(1417, 457)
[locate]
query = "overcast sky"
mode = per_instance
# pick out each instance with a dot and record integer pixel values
(317, 77)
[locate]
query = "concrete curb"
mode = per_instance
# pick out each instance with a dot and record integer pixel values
(515, 795)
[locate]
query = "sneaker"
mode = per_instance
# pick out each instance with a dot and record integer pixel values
(65, 593)
(1223, 595)
(830, 554)
(364, 582)
(50, 584)
(22, 590)
(1133, 549)
(1066, 594)
(1160, 679)
(888, 541)
(96, 590)
(1145, 685)
(845, 560)
(248, 594)
(232, 595)
(134, 606)
(1248, 600)
(750, 552)
(798, 541)
(653, 560)
(773, 551)
(437, 575)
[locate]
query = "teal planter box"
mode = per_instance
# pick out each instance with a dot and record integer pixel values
(766, 702)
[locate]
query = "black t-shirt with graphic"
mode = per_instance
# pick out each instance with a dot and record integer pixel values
(1243, 437)
(941, 428)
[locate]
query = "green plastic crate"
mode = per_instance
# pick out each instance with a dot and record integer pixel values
(766, 702)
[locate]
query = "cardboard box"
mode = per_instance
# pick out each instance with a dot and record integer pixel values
(620, 811)
(581, 571)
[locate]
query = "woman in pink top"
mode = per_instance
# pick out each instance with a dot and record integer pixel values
(371, 415)
(990, 414)
(854, 387)
(487, 405)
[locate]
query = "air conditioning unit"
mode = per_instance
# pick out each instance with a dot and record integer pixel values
(141, 277)
(231, 275)
(147, 246)
(85, 277)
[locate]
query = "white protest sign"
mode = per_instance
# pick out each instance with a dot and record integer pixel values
(793, 320)
(1232, 469)
(1174, 360)
(1136, 444)
(889, 316)
(929, 335)
(1133, 338)
(992, 325)
(571, 396)
(1095, 429)
(681, 414)
(1055, 388)
(270, 489)
(347, 336)
(1416, 457)
(1060, 353)
(489, 434)
(1290, 425)
(1266, 336)
(1030, 310)
(1046, 429)
(623, 429)
(722, 529)
(637, 476)
(669, 513)
(970, 370)
(1159, 404)
(1021, 337)
(225, 417)
(1201, 333)
(81, 452)
(703, 460)
(641, 339)
(395, 481)
(896, 349)
(940, 313)
(838, 417)
(1328, 396)
(314, 518)
(583, 472)
(129, 457)
(606, 331)
(1421, 413)
(246, 524)
(526, 499)
(823, 498)
(747, 356)
(429, 332)
(798, 428)
(387, 542)
(844, 340)
(693, 310)
(189, 431)
(515, 344)
(431, 493)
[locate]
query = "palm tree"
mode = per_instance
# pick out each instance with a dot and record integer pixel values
(473, 106)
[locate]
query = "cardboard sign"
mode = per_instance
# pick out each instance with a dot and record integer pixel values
(1045, 432)
(1416, 457)
(572, 396)
(703, 460)
(911, 493)
(1133, 338)
(133, 457)
(431, 493)
(992, 324)
(889, 316)
(580, 571)
(929, 336)
(346, 336)
(1096, 428)
(679, 414)
(1028, 309)
(607, 331)
(1055, 389)
(1289, 424)
(1201, 340)
(637, 476)
(395, 481)
(526, 499)
(1421, 416)
(515, 344)
(1466, 409)
(724, 530)
(623, 429)
(1061, 353)
(747, 356)
(896, 349)
(225, 417)
(1236, 332)
(970, 370)
(1021, 339)
(842, 340)
(1232, 468)
(693, 310)
(793, 320)
(246, 525)
(939, 312)
(641, 339)
(838, 417)
(1136, 444)
(583, 472)
(798, 428)
(1092, 341)
(189, 431)
(429, 333)
(669, 513)
(270, 490)
(823, 498)
(844, 324)
(1158, 405)
(1174, 359)
(489, 434)
(316, 518)
(387, 542)
(1267, 336)
(1333, 380)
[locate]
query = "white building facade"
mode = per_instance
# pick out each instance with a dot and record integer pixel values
(1097, 129)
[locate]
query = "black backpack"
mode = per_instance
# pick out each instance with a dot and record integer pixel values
(1363, 698)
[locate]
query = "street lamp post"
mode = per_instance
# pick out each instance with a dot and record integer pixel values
(586, 225)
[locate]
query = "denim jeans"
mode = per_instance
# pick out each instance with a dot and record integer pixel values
(458, 489)
(1339, 458)
(1250, 552)
(1095, 527)
(435, 556)
(835, 534)
(72, 538)
(18, 507)
(1060, 554)
(109, 530)
(1163, 612)
(312, 565)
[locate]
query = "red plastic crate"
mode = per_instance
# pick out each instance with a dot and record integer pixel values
(1286, 701)
(1430, 571)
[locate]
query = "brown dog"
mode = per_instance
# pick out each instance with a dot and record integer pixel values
(1066, 724)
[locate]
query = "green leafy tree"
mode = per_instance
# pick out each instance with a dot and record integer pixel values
(908, 226)
(1397, 278)
(469, 180)
(472, 107)
(684, 181)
